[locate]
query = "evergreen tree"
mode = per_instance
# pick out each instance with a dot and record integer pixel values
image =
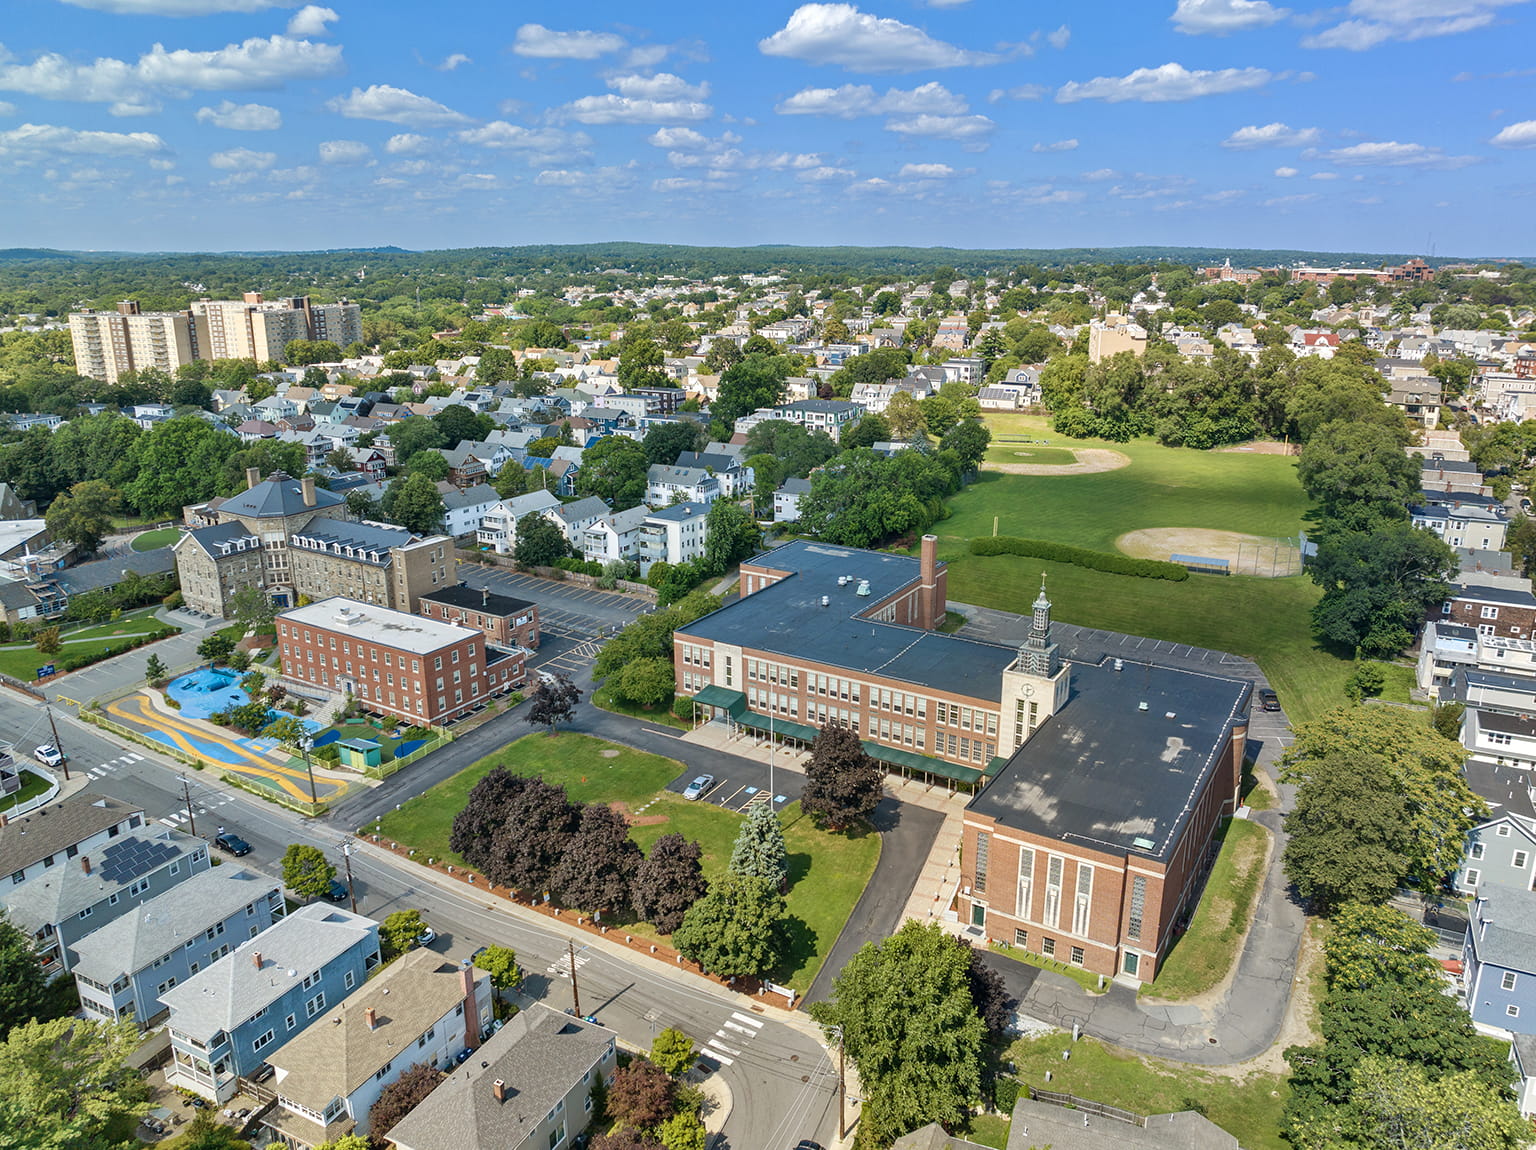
(760, 851)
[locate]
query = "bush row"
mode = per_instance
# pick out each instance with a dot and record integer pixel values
(1107, 561)
(75, 662)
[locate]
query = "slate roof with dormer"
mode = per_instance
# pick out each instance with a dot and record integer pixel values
(276, 496)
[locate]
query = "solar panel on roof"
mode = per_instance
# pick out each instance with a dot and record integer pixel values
(132, 858)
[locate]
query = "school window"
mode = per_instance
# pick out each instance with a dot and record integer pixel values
(1021, 938)
(983, 844)
(1077, 956)
(1048, 947)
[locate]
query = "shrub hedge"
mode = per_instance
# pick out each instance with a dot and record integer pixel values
(75, 662)
(1107, 561)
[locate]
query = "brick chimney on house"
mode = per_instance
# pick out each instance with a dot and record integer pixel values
(932, 601)
(371, 1016)
(85, 863)
(499, 1090)
(308, 486)
(256, 959)
(471, 1014)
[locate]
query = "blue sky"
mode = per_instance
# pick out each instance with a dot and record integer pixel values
(1391, 125)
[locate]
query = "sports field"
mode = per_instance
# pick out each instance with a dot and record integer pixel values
(1162, 488)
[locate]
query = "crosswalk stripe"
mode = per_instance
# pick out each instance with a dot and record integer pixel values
(132, 757)
(748, 1019)
(169, 822)
(720, 1058)
(718, 1045)
(741, 1029)
(96, 772)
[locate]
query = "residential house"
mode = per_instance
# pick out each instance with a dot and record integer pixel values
(1504, 611)
(529, 1087)
(421, 1008)
(573, 519)
(786, 500)
(253, 429)
(369, 461)
(465, 467)
(735, 477)
(615, 537)
(498, 526)
(1469, 524)
(506, 621)
(675, 534)
(1451, 476)
(54, 836)
(1522, 1052)
(666, 484)
(121, 969)
(1500, 953)
(230, 1016)
(465, 508)
(1499, 850)
(91, 888)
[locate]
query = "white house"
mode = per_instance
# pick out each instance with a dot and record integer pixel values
(464, 511)
(614, 537)
(498, 525)
(786, 500)
(663, 484)
(673, 535)
(573, 519)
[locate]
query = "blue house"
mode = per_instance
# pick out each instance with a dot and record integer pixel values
(1501, 958)
(227, 1018)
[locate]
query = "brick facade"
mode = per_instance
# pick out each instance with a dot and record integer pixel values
(505, 621)
(1499, 617)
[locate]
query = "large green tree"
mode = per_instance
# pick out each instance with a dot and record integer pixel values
(414, 502)
(730, 535)
(67, 1085)
(306, 870)
(1378, 585)
(842, 783)
(23, 988)
(1347, 831)
(757, 381)
(539, 541)
(1359, 473)
(759, 850)
(83, 514)
(614, 470)
(739, 928)
(180, 461)
(905, 1014)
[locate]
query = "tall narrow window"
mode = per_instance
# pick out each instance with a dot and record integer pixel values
(1053, 892)
(1138, 907)
(983, 842)
(1084, 899)
(1026, 882)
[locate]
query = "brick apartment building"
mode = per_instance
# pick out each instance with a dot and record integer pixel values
(506, 621)
(1101, 781)
(421, 670)
(1504, 612)
(291, 538)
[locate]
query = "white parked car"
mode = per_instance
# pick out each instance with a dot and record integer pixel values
(49, 755)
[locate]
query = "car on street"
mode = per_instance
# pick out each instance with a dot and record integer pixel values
(1268, 700)
(427, 936)
(699, 787)
(49, 755)
(233, 843)
(337, 891)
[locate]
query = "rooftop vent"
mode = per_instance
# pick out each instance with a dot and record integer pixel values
(863, 587)
(1168, 715)
(1143, 844)
(1119, 664)
(826, 600)
(1141, 706)
(842, 580)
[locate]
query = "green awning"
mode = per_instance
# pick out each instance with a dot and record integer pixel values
(911, 761)
(733, 702)
(783, 728)
(996, 765)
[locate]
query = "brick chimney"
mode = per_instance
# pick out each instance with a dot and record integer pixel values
(931, 604)
(371, 1016)
(308, 485)
(471, 1014)
(256, 959)
(499, 1090)
(252, 477)
(85, 863)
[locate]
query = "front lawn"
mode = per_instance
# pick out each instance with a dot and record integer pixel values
(576, 762)
(661, 715)
(154, 540)
(32, 785)
(1204, 954)
(1248, 1108)
(827, 872)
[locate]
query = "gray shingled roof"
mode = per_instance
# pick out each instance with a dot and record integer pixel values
(540, 1054)
(34, 837)
(232, 989)
(279, 495)
(63, 891)
(1503, 928)
(133, 941)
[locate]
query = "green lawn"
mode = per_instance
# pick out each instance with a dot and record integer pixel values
(662, 716)
(827, 872)
(32, 785)
(1086, 979)
(987, 1130)
(152, 540)
(1201, 958)
(1247, 1108)
(1399, 681)
(575, 762)
(138, 622)
(1028, 453)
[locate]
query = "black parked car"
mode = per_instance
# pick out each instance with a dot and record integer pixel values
(1268, 700)
(337, 892)
(233, 843)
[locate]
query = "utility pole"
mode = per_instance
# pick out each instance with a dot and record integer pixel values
(575, 992)
(186, 793)
(842, 1090)
(63, 758)
(304, 743)
(346, 854)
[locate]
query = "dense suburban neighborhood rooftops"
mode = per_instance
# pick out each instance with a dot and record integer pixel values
(680, 512)
(366, 621)
(59, 826)
(223, 995)
(788, 618)
(1120, 767)
(132, 941)
(1478, 593)
(1503, 927)
(539, 1055)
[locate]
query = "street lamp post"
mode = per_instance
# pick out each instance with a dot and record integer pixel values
(346, 854)
(305, 742)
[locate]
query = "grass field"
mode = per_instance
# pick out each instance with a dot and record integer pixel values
(1264, 619)
(1028, 453)
(32, 785)
(22, 660)
(661, 716)
(575, 762)
(1249, 1109)
(827, 872)
(1204, 954)
(152, 540)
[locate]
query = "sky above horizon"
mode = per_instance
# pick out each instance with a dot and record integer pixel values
(207, 125)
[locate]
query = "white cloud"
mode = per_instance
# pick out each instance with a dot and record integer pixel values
(1521, 135)
(179, 7)
(395, 106)
(662, 86)
(1058, 146)
(254, 63)
(1274, 135)
(547, 44)
(51, 138)
(687, 138)
(1324, 176)
(1101, 174)
(926, 172)
(1218, 17)
(736, 160)
(561, 178)
(343, 152)
(311, 20)
(536, 141)
(1286, 173)
(1391, 154)
(974, 129)
(1291, 201)
(827, 172)
(242, 160)
(54, 77)
(453, 62)
(860, 42)
(610, 109)
(408, 144)
(1374, 22)
(1060, 38)
(241, 117)
(1169, 83)
(1022, 92)
(852, 100)
(677, 184)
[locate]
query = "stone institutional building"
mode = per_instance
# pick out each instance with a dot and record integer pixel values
(291, 538)
(1099, 787)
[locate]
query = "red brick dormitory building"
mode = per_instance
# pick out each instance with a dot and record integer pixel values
(1099, 787)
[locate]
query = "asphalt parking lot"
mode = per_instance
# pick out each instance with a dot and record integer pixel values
(741, 790)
